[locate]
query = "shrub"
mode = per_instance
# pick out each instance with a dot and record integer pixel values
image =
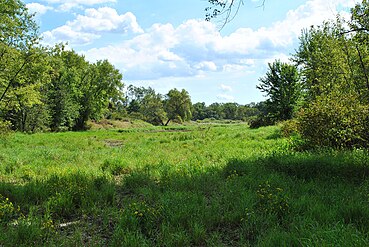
(5, 128)
(289, 127)
(261, 121)
(335, 121)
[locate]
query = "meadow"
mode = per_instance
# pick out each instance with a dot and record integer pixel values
(197, 185)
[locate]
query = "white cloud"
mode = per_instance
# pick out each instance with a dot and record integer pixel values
(37, 8)
(206, 66)
(105, 20)
(196, 47)
(88, 27)
(66, 5)
(67, 34)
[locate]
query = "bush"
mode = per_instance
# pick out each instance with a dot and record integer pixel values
(289, 127)
(335, 121)
(5, 128)
(261, 121)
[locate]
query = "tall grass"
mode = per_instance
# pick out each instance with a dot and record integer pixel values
(219, 185)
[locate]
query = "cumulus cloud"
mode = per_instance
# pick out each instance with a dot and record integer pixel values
(88, 27)
(37, 9)
(105, 20)
(196, 47)
(67, 34)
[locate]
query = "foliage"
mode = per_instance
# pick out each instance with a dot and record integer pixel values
(22, 68)
(260, 121)
(281, 84)
(102, 83)
(337, 121)
(230, 111)
(4, 127)
(336, 83)
(289, 127)
(63, 92)
(152, 109)
(178, 105)
(199, 111)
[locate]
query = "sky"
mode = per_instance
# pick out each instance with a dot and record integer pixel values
(167, 44)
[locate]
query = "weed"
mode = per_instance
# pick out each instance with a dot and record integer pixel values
(272, 200)
(8, 211)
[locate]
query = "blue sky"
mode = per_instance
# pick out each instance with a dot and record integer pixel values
(167, 44)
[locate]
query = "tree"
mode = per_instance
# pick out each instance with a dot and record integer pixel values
(69, 73)
(282, 85)
(334, 71)
(25, 102)
(215, 111)
(178, 106)
(134, 97)
(230, 110)
(199, 111)
(20, 73)
(245, 112)
(152, 109)
(101, 83)
(359, 18)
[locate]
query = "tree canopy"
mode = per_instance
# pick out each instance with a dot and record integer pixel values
(282, 85)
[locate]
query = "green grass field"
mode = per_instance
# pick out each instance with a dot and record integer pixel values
(200, 185)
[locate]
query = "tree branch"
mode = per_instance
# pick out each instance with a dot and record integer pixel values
(228, 9)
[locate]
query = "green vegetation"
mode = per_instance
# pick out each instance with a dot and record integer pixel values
(324, 90)
(195, 185)
(283, 87)
(213, 182)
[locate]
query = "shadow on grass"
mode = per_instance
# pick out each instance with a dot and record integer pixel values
(236, 205)
(318, 167)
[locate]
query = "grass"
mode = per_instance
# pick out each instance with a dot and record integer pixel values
(196, 185)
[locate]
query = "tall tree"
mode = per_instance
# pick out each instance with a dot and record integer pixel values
(102, 83)
(135, 96)
(282, 85)
(152, 109)
(69, 73)
(26, 94)
(178, 105)
(23, 67)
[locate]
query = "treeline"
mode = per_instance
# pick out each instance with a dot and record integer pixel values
(155, 108)
(325, 90)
